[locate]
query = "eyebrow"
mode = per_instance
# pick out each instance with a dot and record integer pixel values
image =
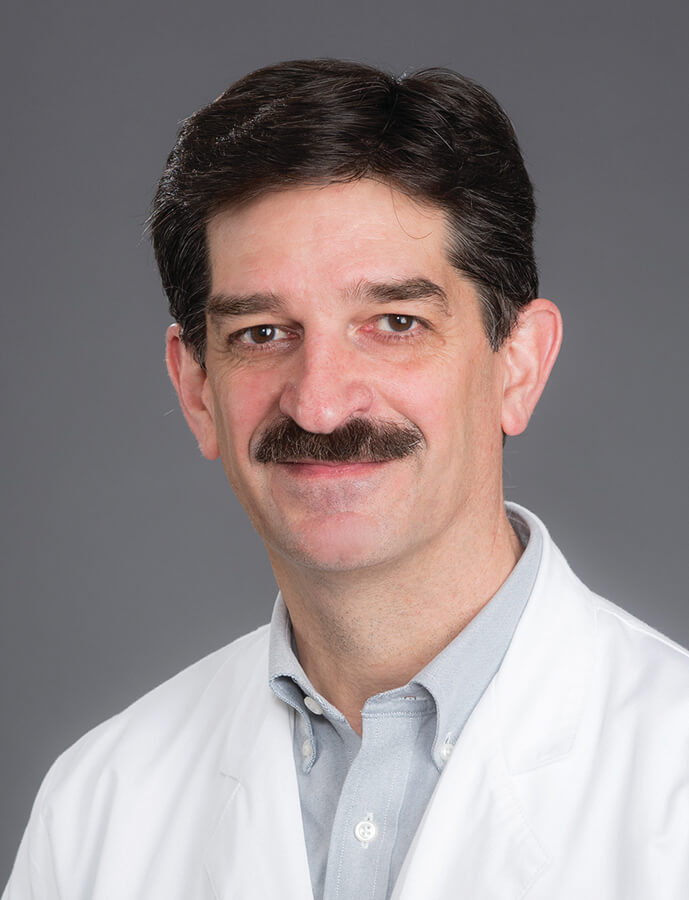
(233, 305)
(222, 305)
(409, 289)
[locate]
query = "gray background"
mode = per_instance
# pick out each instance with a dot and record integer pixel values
(127, 557)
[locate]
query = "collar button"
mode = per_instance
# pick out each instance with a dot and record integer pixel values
(313, 706)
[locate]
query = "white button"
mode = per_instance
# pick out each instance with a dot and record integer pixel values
(446, 751)
(306, 748)
(365, 831)
(315, 707)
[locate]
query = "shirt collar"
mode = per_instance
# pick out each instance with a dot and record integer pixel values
(456, 678)
(290, 683)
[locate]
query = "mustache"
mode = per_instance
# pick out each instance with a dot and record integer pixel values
(359, 440)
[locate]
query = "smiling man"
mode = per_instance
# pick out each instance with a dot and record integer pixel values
(438, 708)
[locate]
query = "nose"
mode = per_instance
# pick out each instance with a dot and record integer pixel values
(326, 388)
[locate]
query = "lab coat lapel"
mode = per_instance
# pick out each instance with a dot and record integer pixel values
(257, 850)
(473, 840)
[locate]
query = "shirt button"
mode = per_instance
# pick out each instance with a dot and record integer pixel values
(313, 706)
(306, 748)
(446, 751)
(365, 831)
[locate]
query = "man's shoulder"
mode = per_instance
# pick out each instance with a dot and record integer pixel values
(194, 707)
(614, 620)
(630, 674)
(646, 665)
(577, 657)
(590, 685)
(563, 600)
(627, 648)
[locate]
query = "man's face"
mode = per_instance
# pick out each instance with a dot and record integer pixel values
(334, 304)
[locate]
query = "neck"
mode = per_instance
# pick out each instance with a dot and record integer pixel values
(369, 630)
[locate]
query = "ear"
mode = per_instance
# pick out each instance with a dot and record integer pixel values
(528, 357)
(191, 383)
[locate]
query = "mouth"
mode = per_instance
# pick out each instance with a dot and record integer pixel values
(316, 468)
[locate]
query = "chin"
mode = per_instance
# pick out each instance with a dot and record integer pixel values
(336, 544)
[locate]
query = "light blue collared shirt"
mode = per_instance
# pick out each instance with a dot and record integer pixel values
(362, 798)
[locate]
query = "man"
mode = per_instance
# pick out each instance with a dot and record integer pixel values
(439, 708)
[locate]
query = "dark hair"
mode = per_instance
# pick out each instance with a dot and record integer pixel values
(433, 134)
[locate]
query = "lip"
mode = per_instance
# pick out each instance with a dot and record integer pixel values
(330, 469)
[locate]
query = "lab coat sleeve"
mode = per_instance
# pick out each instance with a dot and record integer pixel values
(33, 877)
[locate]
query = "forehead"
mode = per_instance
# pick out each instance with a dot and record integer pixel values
(339, 232)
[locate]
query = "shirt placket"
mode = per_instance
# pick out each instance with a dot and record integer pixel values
(367, 816)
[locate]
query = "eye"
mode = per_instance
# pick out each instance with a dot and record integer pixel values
(261, 334)
(397, 323)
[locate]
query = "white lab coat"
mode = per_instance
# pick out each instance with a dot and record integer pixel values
(569, 781)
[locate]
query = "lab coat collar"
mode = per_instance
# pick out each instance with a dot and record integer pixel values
(541, 687)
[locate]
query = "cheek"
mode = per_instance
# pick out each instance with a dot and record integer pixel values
(455, 402)
(242, 406)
